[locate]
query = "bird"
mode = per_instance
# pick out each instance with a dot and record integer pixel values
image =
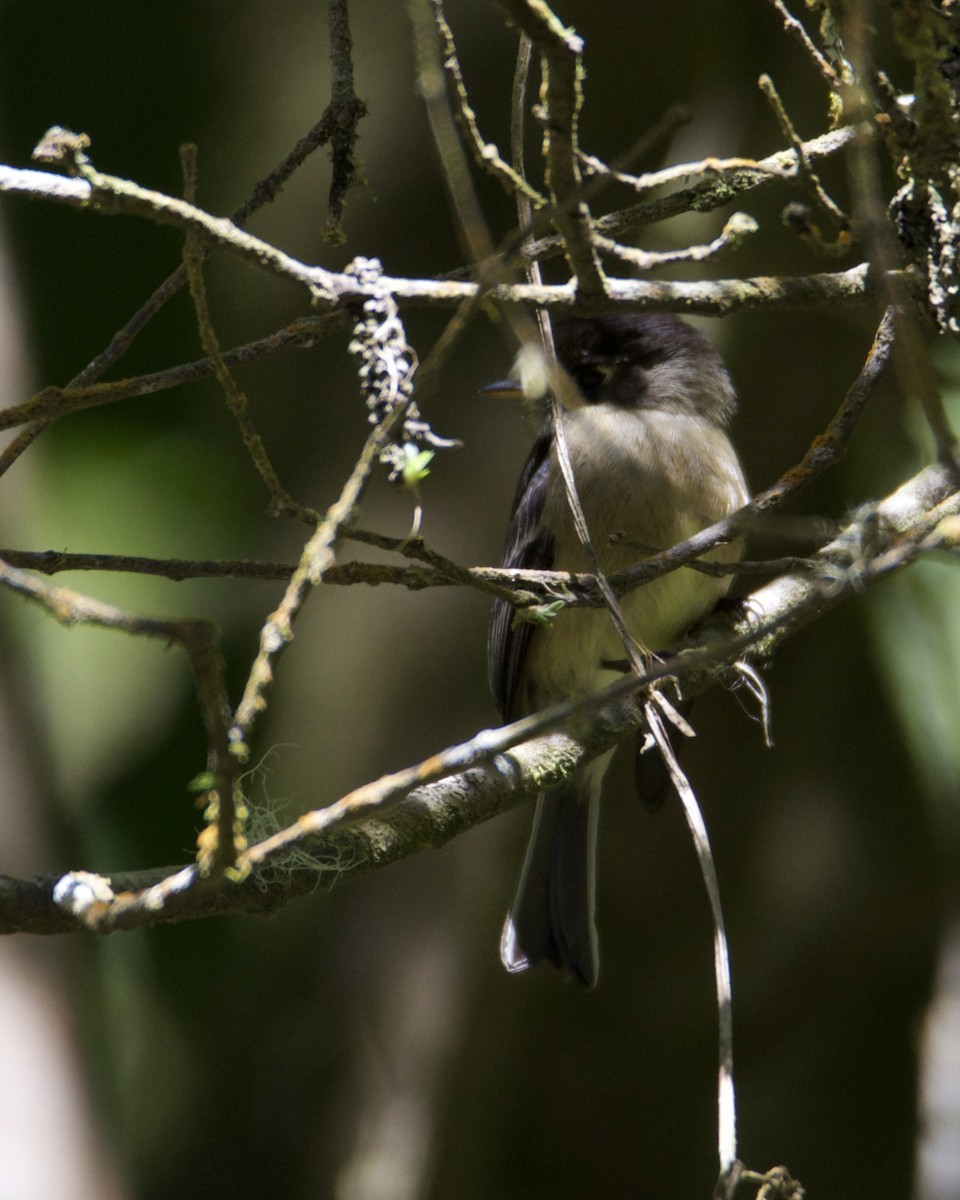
(646, 405)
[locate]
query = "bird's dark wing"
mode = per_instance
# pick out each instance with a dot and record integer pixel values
(528, 548)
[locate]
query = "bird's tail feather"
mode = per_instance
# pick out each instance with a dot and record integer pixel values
(552, 918)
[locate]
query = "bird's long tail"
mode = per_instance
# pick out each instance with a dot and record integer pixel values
(552, 918)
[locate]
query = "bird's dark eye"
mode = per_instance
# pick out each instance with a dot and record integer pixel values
(590, 378)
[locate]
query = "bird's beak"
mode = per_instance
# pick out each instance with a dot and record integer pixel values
(505, 389)
(534, 379)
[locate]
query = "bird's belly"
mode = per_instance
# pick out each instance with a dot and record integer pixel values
(642, 499)
(568, 658)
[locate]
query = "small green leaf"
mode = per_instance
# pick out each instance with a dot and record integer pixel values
(541, 614)
(415, 464)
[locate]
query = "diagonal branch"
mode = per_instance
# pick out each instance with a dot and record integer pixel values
(316, 559)
(385, 821)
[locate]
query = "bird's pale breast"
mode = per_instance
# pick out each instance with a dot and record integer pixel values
(664, 477)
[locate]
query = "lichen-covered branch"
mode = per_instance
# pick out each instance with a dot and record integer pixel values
(472, 782)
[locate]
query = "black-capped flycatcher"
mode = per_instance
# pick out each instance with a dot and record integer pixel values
(646, 426)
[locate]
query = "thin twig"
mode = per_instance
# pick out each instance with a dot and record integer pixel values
(237, 404)
(520, 588)
(51, 562)
(805, 172)
(486, 264)
(316, 559)
(109, 195)
(52, 402)
(738, 227)
(337, 116)
(518, 124)
(329, 288)
(471, 225)
(663, 128)
(562, 98)
(796, 29)
(709, 193)
(518, 117)
(705, 169)
(485, 153)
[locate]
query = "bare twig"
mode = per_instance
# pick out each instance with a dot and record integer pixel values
(705, 169)
(796, 29)
(721, 181)
(386, 371)
(222, 843)
(485, 153)
(518, 118)
(109, 195)
(520, 588)
(317, 557)
(673, 118)
(471, 224)
(807, 175)
(486, 265)
(738, 227)
(562, 98)
(518, 124)
(337, 117)
(717, 298)
(50, 562)
(53, 402)
(193, 256)
(332, 288)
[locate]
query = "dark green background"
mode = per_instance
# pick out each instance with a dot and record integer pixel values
(368, 1043)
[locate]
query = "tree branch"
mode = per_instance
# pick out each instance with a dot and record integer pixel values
(469, 783)
(561, 100)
